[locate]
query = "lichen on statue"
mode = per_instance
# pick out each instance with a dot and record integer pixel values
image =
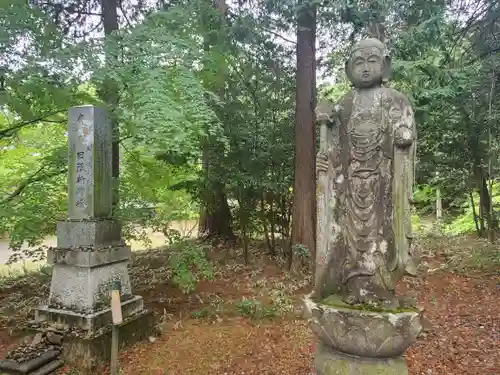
(369, 162)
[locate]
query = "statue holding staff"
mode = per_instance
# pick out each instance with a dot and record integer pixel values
(365, 176)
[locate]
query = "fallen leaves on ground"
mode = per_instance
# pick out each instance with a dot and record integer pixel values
(465, 338)
(235, 346)
(464, 312)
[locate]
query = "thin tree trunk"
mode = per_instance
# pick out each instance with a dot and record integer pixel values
(304, 202)
(439, 204)
(215, 216)
(265, 224)
(474, 214)
(491, 217)
(110, 95)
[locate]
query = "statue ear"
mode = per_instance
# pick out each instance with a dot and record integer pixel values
(348, 72)
(387, 69)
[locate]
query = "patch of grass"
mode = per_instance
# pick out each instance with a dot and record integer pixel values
(254, 309)
(204, 313)
(464, 253)
(484, 256)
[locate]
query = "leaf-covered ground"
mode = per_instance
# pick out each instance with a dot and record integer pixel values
(246, 320)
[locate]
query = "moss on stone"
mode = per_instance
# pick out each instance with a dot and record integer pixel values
(335, 300)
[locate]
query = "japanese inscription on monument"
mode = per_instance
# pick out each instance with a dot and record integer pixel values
(89, 187)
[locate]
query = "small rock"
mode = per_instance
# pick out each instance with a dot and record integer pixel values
(54, 338)
(426, 325)
(33, 324)
(151, 339)
(37, 339)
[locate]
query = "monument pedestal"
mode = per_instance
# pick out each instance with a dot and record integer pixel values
(329, 362)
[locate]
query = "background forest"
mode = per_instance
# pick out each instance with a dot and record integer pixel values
(212, 107)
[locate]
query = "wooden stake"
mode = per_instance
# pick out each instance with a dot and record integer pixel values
(116, 313)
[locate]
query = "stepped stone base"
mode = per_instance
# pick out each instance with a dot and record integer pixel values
(329, 362)
(91, 322)
(85, 353)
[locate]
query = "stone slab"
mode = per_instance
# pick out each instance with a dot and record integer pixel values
(8, 367)
(92, 322)
(328, 362)
(87, 353)
(49, 368)
(90, 184)
(86, 233)
(86, 289)
(88, 259)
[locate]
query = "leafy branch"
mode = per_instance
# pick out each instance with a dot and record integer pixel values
(35, 177)
(4, 133)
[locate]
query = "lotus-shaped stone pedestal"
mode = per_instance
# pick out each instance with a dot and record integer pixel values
(361, 342)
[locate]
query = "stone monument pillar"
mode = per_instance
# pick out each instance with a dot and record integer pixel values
(365, 176)
(90, 252)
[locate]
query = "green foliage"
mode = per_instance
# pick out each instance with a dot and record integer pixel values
(192, 84)
(254, 309)
(464, 223)
(301, 252)
(164, 104)
(189, 265)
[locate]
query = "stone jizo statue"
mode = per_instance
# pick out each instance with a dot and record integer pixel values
(364, 242)
(364, 224)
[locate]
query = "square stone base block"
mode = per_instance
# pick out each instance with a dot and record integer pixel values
(85, 353)
(328, 362)
(81, 280)
(89, 322)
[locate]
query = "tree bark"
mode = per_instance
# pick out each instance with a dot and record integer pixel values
(215, 216)
(304, 201)
(109, 94)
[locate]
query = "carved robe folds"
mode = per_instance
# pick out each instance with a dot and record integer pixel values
(371, 153)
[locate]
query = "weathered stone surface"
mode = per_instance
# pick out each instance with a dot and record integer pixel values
(89, 176)
(78, 233)
(364, 227)
(90, 259)
(363, 333)
(82, 289)
(21, 361)
(328, 362)
(54, 338)
(85, 353)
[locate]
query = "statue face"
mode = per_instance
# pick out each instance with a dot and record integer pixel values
(366, 67)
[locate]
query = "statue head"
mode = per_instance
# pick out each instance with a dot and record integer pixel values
(369, 64)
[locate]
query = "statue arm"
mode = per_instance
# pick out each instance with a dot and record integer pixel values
(405, 139)
(405, 132)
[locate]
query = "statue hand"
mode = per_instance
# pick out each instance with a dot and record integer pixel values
(403, 137)
(321, 162)
(325, 111)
